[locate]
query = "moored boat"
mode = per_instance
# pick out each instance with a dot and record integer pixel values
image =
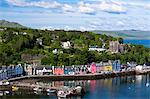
(1, 93)
(37, 89)
(78, 89)
(14, 88)
(51, 90)
(62, 94)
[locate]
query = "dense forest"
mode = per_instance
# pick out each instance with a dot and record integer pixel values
(16, 42)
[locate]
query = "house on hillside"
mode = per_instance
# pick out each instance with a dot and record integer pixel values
(39, 41)
(96, 48)
(56, 51)
(24, 33)
(66, 45)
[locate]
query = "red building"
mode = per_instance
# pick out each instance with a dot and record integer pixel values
(58, 71)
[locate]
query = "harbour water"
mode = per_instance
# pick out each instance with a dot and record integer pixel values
(131, 87)
(145, 43)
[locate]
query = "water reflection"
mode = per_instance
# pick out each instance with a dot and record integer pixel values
(114, 88)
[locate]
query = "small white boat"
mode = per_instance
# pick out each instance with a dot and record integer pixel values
(6, 83)
(147, 84)
(37, 89)
(1, 93)
(51, 90)
(61, 94)
(78, 89)
(6, 92)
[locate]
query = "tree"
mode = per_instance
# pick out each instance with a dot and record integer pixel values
(120, 40)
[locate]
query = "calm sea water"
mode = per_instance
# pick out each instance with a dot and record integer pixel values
(146, 43)
(133, 87)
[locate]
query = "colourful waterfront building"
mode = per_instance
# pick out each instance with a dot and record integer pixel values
(116, 65)
(99, 67)
(108, 68)
(59, 70)
(93, 68)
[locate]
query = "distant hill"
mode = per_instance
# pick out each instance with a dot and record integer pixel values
(127, 34)
(4, 23)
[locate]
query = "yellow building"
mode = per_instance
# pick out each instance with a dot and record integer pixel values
(108, 68)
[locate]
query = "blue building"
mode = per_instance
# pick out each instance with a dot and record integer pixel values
(11, 72)
(116, 65)
(18, 70)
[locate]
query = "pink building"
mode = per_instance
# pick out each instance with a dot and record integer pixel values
(93, 68)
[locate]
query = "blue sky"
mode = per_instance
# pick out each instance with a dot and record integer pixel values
(78, 14)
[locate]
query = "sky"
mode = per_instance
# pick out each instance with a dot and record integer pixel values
(78, 14)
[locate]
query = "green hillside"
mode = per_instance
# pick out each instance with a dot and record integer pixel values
(4, 23)
(24, 45)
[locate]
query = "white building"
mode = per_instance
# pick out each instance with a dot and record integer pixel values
(95, 48)
(66, 45)
(139, 68)
(43, 70)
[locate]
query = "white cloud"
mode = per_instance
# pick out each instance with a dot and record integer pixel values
(120, 23)
(112, 7)
(137, 16)
(42, 4)
(17, 2)
(67, 8)
(106, 6)
(82, 7)
(85, 8)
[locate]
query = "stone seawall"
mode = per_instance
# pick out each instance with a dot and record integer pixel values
(34, 78)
